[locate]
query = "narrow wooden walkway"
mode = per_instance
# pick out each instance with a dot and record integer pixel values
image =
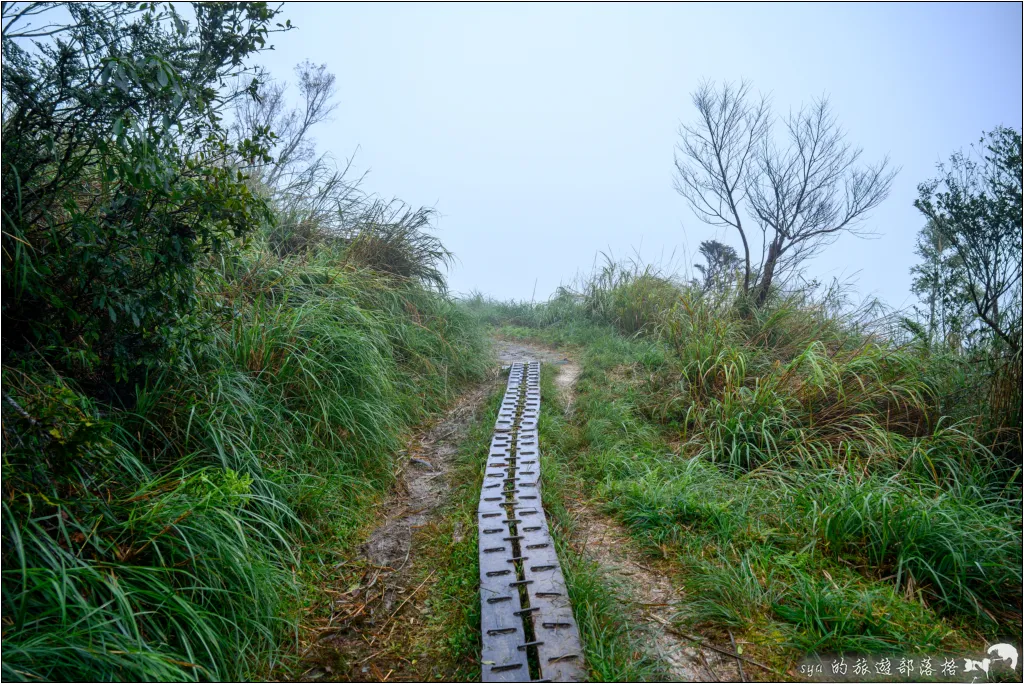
(529, 633)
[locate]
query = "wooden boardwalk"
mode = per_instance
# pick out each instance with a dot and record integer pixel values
(529, 633)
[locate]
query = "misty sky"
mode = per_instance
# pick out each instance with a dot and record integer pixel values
(545, 133)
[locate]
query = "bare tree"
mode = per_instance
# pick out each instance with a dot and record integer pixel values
(714, 156)
(313, 195)
(805, 193)
(316, 203)
(801, 193)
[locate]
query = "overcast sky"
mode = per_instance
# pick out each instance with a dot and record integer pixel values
(545, 133)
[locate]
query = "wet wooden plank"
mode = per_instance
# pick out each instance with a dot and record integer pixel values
(502, 630)
(522, 589)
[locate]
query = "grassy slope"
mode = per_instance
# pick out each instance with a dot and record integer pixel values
(789, 482)
(162, 541)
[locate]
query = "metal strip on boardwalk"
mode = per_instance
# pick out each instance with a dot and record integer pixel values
(527, 624)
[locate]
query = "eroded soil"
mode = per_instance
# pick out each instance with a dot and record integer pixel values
(651, 597)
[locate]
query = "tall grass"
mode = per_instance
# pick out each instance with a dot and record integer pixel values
(803, 464)
(158, 538)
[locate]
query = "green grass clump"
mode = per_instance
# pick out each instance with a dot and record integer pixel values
(156, 534)
(958, 548)
(611, 644)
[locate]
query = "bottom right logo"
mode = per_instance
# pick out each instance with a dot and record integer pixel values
(996, 660)
(1004, 652)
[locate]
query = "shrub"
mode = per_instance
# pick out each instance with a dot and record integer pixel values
(393, 240)
(808, 471)
(118, 179)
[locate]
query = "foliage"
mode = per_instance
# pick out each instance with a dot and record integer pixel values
(720, 264)
(118, 177)
(393, 238)
(939, 281)
(187, 407)
(318, 205)
(159, 542)
(315, 200)
(975, 206)
(971, 282)
(799, 466)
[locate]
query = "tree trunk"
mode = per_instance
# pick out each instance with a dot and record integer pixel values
(746, 262)
(774, 251)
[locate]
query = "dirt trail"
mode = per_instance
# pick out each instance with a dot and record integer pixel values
(375, 620)
(652, 598)
(422, 487)
(372, 632)
(378, 612)
(650, 595)
(568, 370)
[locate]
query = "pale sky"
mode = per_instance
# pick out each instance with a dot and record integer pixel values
(545, 133)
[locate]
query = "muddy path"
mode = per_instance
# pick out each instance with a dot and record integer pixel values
(651, 597)
(509, 352)
(373, 632)
(377, 626)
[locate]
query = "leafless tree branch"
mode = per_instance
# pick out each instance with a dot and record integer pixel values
(714, 155)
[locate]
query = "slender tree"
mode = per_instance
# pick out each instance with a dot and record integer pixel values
(801, 190)
(720, 264)
(714, 156)
(939, 283)
(314, 197)
(975, 205)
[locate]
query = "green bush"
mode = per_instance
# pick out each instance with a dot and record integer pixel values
(187, 409)
(119, 178)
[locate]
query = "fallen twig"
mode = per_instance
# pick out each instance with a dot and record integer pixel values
(739, 660)
(703, 642)
(708, 666)
(406, 600)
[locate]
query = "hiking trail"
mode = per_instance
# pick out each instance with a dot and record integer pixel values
(377, 623)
